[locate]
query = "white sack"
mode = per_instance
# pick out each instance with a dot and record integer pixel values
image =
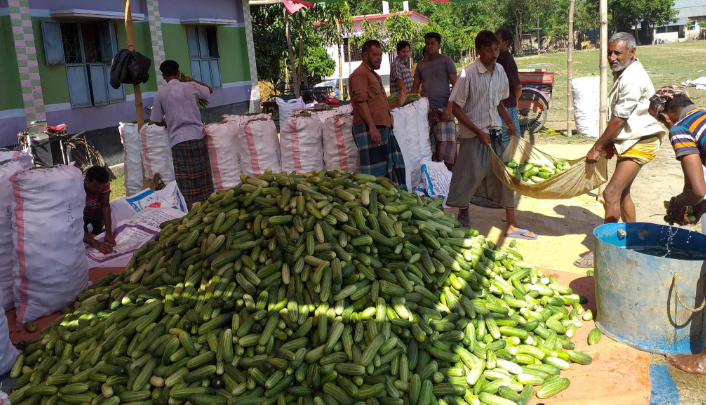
(323, 115)
(130, 235)
(8, 154)
(437, 178)
(132, 158)
(8, 353)
(168, 197)
(412, 133)
(22, 161)
(156, 152)
(289, 108)
(221, 139)
(300, 140)
(258, 147)
(50, 268)
(340, 149)
(586, 105)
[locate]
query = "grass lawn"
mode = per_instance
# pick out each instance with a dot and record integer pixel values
(666, 64)
(117, 188)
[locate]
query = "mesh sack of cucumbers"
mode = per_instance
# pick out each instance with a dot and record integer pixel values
(324, 288)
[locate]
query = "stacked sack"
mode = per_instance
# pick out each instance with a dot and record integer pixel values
(258, 147)
(49, 264)
(412, 133)
(132, 157)
(340, 149)
(301, 144)
(156, 152)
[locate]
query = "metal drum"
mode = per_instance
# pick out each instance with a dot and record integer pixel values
(642, 295)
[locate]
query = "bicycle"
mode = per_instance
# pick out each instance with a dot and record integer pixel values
(74, 148)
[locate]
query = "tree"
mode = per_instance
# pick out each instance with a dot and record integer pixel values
(270, 50)
(626, 14)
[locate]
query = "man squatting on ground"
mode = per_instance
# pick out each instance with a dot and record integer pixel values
(380, 153)
(632, 133)
(477, 104)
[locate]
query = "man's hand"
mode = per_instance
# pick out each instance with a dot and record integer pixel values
(593, 155)
(484, 138)
(187, 79)
(447, 113)
(677, 212)
(512, 131)
(103, 247)
(375, 137)
(110, 239)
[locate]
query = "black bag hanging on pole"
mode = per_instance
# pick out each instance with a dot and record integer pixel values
(129, 68)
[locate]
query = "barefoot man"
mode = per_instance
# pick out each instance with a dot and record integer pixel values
(477, 101)
(632, 133)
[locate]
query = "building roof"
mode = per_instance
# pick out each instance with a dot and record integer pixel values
(688, 9)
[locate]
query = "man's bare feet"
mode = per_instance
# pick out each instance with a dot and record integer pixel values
(691, 363)
(516, 232)
(464, 217)
(585, 262)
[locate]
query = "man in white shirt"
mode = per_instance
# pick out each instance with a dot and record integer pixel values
(175, 106)
(477, 104)
(632, 133)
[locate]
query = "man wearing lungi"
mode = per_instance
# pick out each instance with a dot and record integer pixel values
(175, 107)
(477, 104)
(436, 73)
(372, 121)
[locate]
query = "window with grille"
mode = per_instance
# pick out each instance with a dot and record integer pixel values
(204, 54)
(87, 50)
(356, 55)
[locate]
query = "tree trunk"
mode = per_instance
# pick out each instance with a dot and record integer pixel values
(301, 49)
(295, 82)
(569, 68)
(518, 40)
(340, 60)
(603, 110)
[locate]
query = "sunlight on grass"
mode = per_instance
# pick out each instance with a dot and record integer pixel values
(117, 188)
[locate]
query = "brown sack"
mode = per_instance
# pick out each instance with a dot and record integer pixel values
(577, 180)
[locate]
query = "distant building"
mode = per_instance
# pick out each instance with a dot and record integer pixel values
(687, 25)
(352, 60)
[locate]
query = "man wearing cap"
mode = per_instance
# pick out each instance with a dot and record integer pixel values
(632, 133)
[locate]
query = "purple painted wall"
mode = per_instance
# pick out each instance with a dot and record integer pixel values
(86, 119)
(101, 5)
(10, 128)
(223, 9)
(3, 3)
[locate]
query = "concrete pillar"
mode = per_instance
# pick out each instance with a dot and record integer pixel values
(255, 105)
(385, 7)
(157, 42)
(405, 5)
(26, 53)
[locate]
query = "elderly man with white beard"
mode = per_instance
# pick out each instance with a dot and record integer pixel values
(632, 133)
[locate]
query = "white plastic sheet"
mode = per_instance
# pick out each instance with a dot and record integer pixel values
(412, 132)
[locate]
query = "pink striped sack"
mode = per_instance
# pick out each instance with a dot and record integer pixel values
(156, 152)
(300, 139)
(241, 119)
(340, 149)
(258, 147)
(21, 161)
(50, 267)
(8, 353)
(132, 159)
(221, 139)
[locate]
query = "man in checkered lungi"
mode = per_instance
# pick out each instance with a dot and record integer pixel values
(175, 107)
(437, 75)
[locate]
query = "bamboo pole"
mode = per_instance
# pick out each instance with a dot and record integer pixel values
(295, 82)
(340, 60)
(569, 69)
(603, 112)
(138, 92)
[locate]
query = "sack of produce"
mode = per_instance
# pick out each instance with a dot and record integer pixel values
(412, 133)
(340, 149)
(8, 353)
(301, 144)
(156, 152)
(258, 147)
(221, 139)
(290, 287)
(50, 266)
(21, 161)
(323, 115)
(240, 119)
(130, 138)
(586, 105)
(533, 173)
(289, 108)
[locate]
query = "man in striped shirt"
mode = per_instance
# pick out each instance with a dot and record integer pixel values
(477, 101)
(672, 106)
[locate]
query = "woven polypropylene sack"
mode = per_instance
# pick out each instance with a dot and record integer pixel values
(241, 119)
(132, 158)
(258, 147)
(221, 139)
(156, 152)
(586, 105)
(412, 133)
(50, 269)
(21, 161)
(8, 353)
(340, 149)
(577, 180)
(301, 144)
(289, 108)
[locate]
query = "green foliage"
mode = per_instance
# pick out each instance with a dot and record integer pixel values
(626, 14)
(318, 63)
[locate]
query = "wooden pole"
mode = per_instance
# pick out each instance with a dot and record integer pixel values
(138, 93)
(295, 82)
(603, 112)
(301, 48)
(569, 69)
(340, 60)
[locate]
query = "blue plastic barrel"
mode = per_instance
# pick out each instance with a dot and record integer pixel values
(636, 302)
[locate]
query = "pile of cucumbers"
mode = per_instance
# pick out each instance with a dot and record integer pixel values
(323, 288)
(535, 171)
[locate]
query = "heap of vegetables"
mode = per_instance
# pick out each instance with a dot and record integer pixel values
(411, 98)
(534, 171)
(325, 288)
(202, 103)
(690, 211)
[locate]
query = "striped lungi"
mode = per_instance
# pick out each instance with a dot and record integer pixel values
(192, 169)
(380, 161)
(516, 119)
